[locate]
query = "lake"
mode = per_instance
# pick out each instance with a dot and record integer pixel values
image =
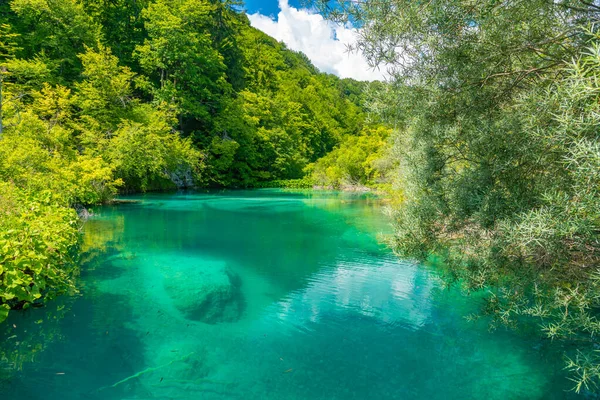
(265, 294)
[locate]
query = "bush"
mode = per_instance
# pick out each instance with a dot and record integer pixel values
(38, 236)
(359, 160)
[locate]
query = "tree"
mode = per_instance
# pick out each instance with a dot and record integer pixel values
(8, 49)
(121, 23)
(494, 133)
(59, 29)
(180, 56)
(105, 94)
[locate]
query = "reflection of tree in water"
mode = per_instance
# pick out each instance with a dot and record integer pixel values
(28, 333)
(81, 343)
(100, 237)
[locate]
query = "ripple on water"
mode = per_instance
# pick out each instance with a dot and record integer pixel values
(269, 295)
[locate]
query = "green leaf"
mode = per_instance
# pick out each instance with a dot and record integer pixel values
(4, 309)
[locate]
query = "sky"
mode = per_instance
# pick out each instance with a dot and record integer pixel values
(323, 42)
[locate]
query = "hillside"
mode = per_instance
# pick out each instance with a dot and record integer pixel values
(105, 97)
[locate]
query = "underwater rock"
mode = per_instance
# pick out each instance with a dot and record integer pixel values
(209, 293)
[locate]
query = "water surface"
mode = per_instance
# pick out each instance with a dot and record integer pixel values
(261, 295)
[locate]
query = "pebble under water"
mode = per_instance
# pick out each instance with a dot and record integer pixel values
(263, 294)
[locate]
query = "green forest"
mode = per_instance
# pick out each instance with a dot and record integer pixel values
(485, 139)
(102, 98)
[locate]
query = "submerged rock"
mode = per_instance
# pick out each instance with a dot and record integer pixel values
(208, 293)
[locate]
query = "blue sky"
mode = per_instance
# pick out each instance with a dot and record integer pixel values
(323, 42)
(267, 7)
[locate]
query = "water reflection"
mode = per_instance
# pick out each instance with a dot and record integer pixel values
(265, 295)
(385, 290)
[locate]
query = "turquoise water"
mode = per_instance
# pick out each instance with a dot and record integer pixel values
(261, 295)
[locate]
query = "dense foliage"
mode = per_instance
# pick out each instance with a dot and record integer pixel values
(359, 160)
(36, 237)
(102, 97)
(498, 154)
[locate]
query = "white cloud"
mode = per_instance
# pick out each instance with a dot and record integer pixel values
(323, 42)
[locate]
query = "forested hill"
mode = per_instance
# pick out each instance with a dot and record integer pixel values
(106, 96)
(122, 72)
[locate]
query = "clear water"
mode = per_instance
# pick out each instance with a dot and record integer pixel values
(261, 295)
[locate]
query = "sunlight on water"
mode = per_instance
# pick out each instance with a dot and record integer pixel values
(261, 295)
